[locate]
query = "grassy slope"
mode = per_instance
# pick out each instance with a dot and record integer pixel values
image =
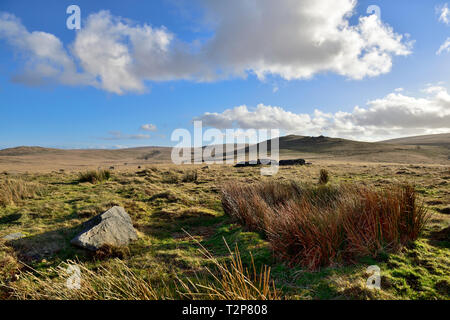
(432, 140)
(161, 206)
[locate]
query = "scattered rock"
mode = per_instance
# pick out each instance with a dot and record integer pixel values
(292, 162)
(113, 227)
(254, 163)
(288, 162)
(13, 236)
(205, 167)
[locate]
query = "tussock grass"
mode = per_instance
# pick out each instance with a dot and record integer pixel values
(94, 176)
(231, 281)
(322, 225)
(170, 177)
(117, 281)
(14, 190)
(324, 176)
(9, 268)
(190, 176)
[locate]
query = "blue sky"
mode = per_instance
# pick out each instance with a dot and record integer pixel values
(211, 65)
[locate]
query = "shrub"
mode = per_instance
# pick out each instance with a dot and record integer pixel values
(324, 176)
(94, 176)
(321, 225)
(14, 190)
(190, 176)
(170, 177)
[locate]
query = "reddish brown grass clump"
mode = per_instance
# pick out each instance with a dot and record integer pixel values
(322, 225)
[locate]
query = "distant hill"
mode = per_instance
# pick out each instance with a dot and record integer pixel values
(426, 140)
(45, 159)
(22, 151)
(326, 148)
(433, 149)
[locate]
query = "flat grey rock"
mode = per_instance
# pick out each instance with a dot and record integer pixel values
(113, 227)
(13, 236)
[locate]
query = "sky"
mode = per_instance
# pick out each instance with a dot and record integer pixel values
(137, 70)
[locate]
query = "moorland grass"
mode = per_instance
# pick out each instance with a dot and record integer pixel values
(318, 226)
(94, 176)
(117, 281)
(190, 176)
(14, 190)
(165, 258)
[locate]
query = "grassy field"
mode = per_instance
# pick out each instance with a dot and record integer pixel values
(184, 233)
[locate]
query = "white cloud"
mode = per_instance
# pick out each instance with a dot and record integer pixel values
(298, 39)
(292, 39)
(444, 14)
(444, 47)
(45, 56)
(148, 127)
(394, 115)
(122, 54)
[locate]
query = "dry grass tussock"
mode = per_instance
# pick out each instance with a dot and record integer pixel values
(94, 176)
(13, 191)
(231, 281)
(320, 225)
(117, 281)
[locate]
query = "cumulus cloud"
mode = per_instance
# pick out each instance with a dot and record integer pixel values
(445, 47)
(148, 127)
(394, 115)
(444, 14)
(291, 39)
(123, 55)
(117, 135)
(298, 39)
(45, 57)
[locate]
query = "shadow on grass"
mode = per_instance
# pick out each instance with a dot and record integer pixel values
(440, 238)
(53, 246)
(11, 218)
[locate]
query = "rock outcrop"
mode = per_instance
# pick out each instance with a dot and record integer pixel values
(292, 162)
(113, 227)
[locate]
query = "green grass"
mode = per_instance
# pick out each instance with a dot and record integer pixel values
(162, 210)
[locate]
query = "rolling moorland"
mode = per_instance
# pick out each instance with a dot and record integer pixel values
(434, 150)
(189, 224)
